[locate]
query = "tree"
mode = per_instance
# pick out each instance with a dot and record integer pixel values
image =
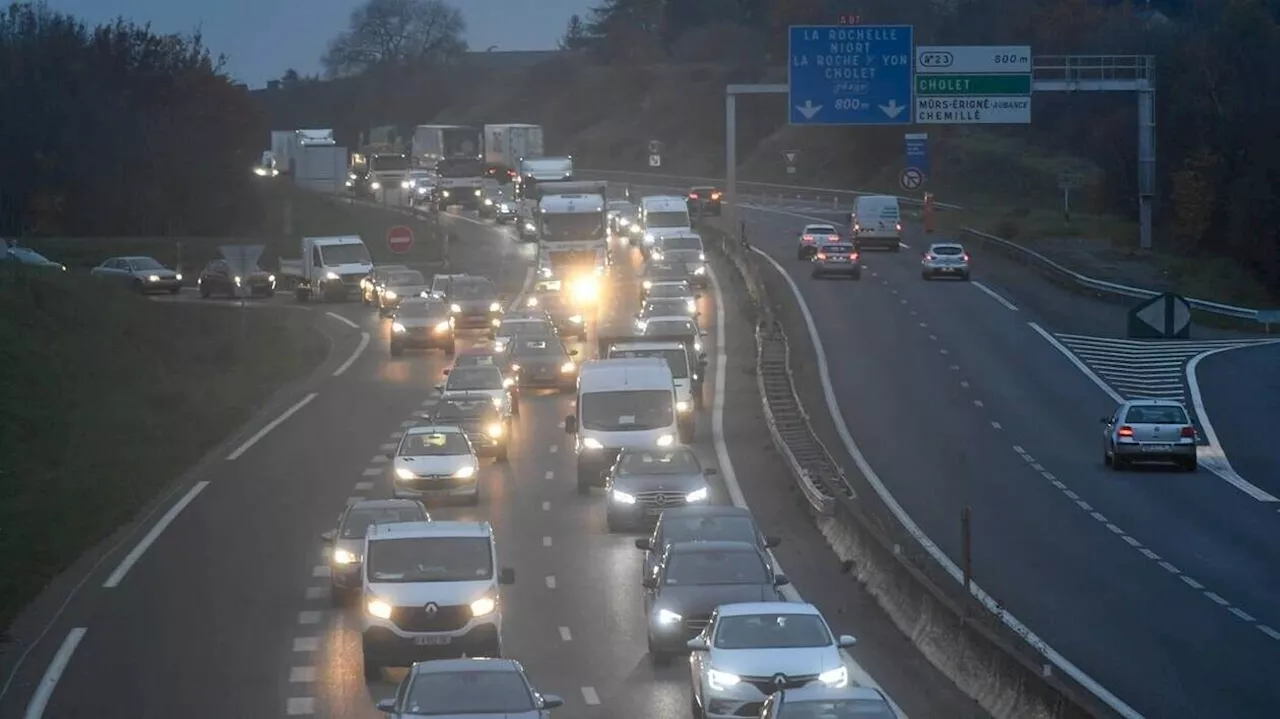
(396, 34)
(575, 34)
(290, 77)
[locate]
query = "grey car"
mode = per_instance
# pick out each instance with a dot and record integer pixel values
(819, 702)
(424, 324)
(664, 307)
(945, 259)
(661, 271)
(701, 524)
(346, 541)
(692, 579)
(470, 689)
(398, 286)
(541, 363)
(141, 274)
(836, 258)
(474, 302)
(1149, 430)
(644, 482)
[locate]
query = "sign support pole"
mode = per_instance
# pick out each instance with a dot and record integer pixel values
(731, 93)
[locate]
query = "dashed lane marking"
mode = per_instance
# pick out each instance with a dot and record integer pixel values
(1192, 583)
(378, 459)
(306, 644)
(546, 541)
(343, 320)
(314, 593)
(565, 636)
(996, 425)
(549, 475)
(551, 581)
(372, 472)
(995, 296)
(320, 571)
(388, 447)
(554, 449)
(302, 675)
(546, 506)
(590, 696)
(308, 617)
(300, 706)
(364, 486)
(1269, 632)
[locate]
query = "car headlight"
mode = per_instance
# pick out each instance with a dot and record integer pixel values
(403, 473)
(507, 382)
(397, 327)
(624, 221)
(495, 322)
(455, 308)
(497, 403)
(702, 257)
(465, 472)
(592, 443)
(390, 295)
(443, 326)
(406, 185)
(837, 678)
(700, 271)
(379, 609)
(531, 302)
(529, 227)
(177, 277)
(153, 278)
(697, 346)
(576, 319)
(515, 366)
(342, 556)
(237, 280)
(504, 207)
(656, 254)
(483, 606)
(692, 305)
(697, 495)
(477, 193)
(488, 202)
(351, 175)
(270, 278)
(720, 681)
(622, 497)
(444, 193)
(495, 307)
(682, 406)
(422, 190)
(647, 284)
(648, 238)
(666, 616)
(331, 276)
(494, 430)
(350, 183)
(568, 367)
(375, 185)
(545, 271)
(635, 229)
(666, 440)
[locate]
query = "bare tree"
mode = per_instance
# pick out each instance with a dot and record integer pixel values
(396, 33)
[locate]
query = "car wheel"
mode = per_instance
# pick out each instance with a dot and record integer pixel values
(204, 292)
(1106, 458)
(1190, 464)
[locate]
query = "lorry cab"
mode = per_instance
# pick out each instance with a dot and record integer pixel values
(621, 403)
(876, 221)
(662, 215)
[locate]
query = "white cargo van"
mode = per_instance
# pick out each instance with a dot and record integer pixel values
(621, 403)
(876, 221)
(663, 215)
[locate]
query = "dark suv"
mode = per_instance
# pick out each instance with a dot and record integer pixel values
(704, 201)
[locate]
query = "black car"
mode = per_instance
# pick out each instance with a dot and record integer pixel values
(360, 183)
(421, 324)
(664, 307)
(704, 200)
(493, 198)
(468, 687)
(217, 278)
(396, 286)
(701, 524)
(820, 702)
(479, 419)
(644, 482)
(657, 270)
(375, 278)
(541, 363)
(692, 579)
(474, 302)
(346, 541)
(568, 319)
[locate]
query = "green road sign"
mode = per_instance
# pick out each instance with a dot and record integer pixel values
(973, 85)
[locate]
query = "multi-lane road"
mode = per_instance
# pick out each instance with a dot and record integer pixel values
(216, 605)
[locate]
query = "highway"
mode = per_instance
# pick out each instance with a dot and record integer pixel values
(225, 612)
(1241, 392)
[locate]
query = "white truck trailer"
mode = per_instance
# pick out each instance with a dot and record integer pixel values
(506, 145)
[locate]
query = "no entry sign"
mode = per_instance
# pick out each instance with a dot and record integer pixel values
(399, 239)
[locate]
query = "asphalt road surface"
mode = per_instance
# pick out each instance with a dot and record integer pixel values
(1241, 393)
(225, 611)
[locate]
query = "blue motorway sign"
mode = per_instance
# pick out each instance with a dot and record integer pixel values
(851, 74)
(918, 151)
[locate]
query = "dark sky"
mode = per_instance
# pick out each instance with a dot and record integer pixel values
(262, 38)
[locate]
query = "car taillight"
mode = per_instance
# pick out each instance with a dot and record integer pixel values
(929, 257)
(853, 256)
(1189, 432)
(1125, 431)
(808, 238)
(822, 255)
(693, 195)
(715, 195)
(833, 238)
(964, 258)
(898, 227)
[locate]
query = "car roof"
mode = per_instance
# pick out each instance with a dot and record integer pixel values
(134, 257)
(394, 530)
(670, 318)
(820, 226)
(748, 608)
(478, 664)
(671, 281)
(946, 244)
(715, 510)
(852, 691)
(390, 267)
(1153, 402)
(433, 429)
(629, 345)
(716, 546)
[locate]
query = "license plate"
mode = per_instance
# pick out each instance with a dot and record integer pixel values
(839, 259)
(1156, 447)
(432, 640)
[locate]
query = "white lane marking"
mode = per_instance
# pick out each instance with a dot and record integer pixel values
(964, 383)
(730, 476)
(372, 472)
(995, 296)
(270, 426)
(939, 556)
(309, 616)
(995, 425)
(1076, 361)
(360, 348)
(52, 674)
(364, 486)
(943, 352)
(302, 675)
(299, 706)
(978, 403)
(1131, 541)
(343, 320)
(546, 541)
(1150, 554)
(1192, 583)
(1213, 457)
(150, 538)
(549, 475)
(546, 506)
(1217, 599)
(314, 593)
(1269, 631)
(551, 581)
(554, 449)
(1242, 614)
(320, 571)
(1098, 516)
(388, 447)
(306, 644)
(954, 368)
(1115, 530)
(589, 696)
(378, 459)
(1168, 567)
(932, 337)
(565, 636)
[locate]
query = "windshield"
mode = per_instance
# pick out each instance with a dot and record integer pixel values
(669, 327)
(475, 361)
(951, 250)
(626, 410)
(771, 631)
(716, 568)
(672, 461)
(145, 263)
(30, 256)
(433, 444)
(820, 230)
(465, 412)
(345, 254)
(357, 523)
(573, 227)
(430, 559)
(677, 359)
(473, 378)
(836, 709)
(1152, 414)
(468, 692)
(659, 220)
(536, 348)
(681, 243)
(659, 308)
(388, 163)
(406, 278)
(460, 168)
(670, 291)
(423, 309)
(536, 328)
(708, 529)
(472, 289)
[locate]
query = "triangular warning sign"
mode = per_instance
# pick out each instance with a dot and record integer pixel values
(791, 156)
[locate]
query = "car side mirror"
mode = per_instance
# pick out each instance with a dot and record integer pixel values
(573, 353)
(649, 582)
(386, 705)
(439, 388)
(329, 536)
(697, 644)
(551, 701)
(781, 580)
(506, 575)
(1105, 420)
(711, 471)
(643, 543)
(845, 641)
(571, 425)
(771, 542)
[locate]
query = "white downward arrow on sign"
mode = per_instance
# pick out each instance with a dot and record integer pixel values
(893, 109)
(808, 109)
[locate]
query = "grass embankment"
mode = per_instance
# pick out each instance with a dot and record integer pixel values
(105, 398)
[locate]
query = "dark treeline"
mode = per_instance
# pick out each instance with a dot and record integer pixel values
(117, 130)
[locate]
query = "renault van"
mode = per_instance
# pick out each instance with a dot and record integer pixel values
(876, 221)
(663, 215)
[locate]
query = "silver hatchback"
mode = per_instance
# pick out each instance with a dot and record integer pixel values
(1149, 430)
(945, 259)
(836, 258)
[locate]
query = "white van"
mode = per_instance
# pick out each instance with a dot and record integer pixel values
(876, 221)
(663, 215)
(621, 403)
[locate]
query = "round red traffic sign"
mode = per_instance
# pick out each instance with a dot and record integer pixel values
(399, 239)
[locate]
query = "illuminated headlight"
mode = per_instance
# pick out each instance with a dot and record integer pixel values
(576, 319)
(406, 474)
(529, 227)
(390, 295)
(477, 193)
(260, 171)
(544, 271)
(697, 346)
(331, 276)
(836, 678)
(585, 290)
(177, 277)
(497, 403)
(443, 326)
(444, 193)
(379, 609)
(720, 681)
(508, 382)
(397, 327)
(422, 190)
(622, 497)
(495, 307)
(700, 271)
(568, 367)
(656, 254)
(666, 440)
(237, 280)
(515, 366)
(271, 279)
(624, 222)
(682, 406)
(494, 430)
(591, 443)
(648, 238)
(351, 175)
(647, 285)
(702, 256)
(153, 278)
(342, 556)
(504, 207)
(465, 472)
(666, 616)
(635, 229)
(350, 183)
(641, 324)
(483, 606)
(697, 495)
(488, 201)
(375, 185)
(455, 308)
(406, 185)
(531, 302)
(495, 322)
(692, 305)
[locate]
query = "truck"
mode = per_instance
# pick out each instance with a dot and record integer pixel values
(330, 268)
(461, 182)
(321, 167)
(285, 145)
(572, 229)
(433, 143)
(506, 145)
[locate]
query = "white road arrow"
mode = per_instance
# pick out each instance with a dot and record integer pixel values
(893, 109)
(808, 109)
